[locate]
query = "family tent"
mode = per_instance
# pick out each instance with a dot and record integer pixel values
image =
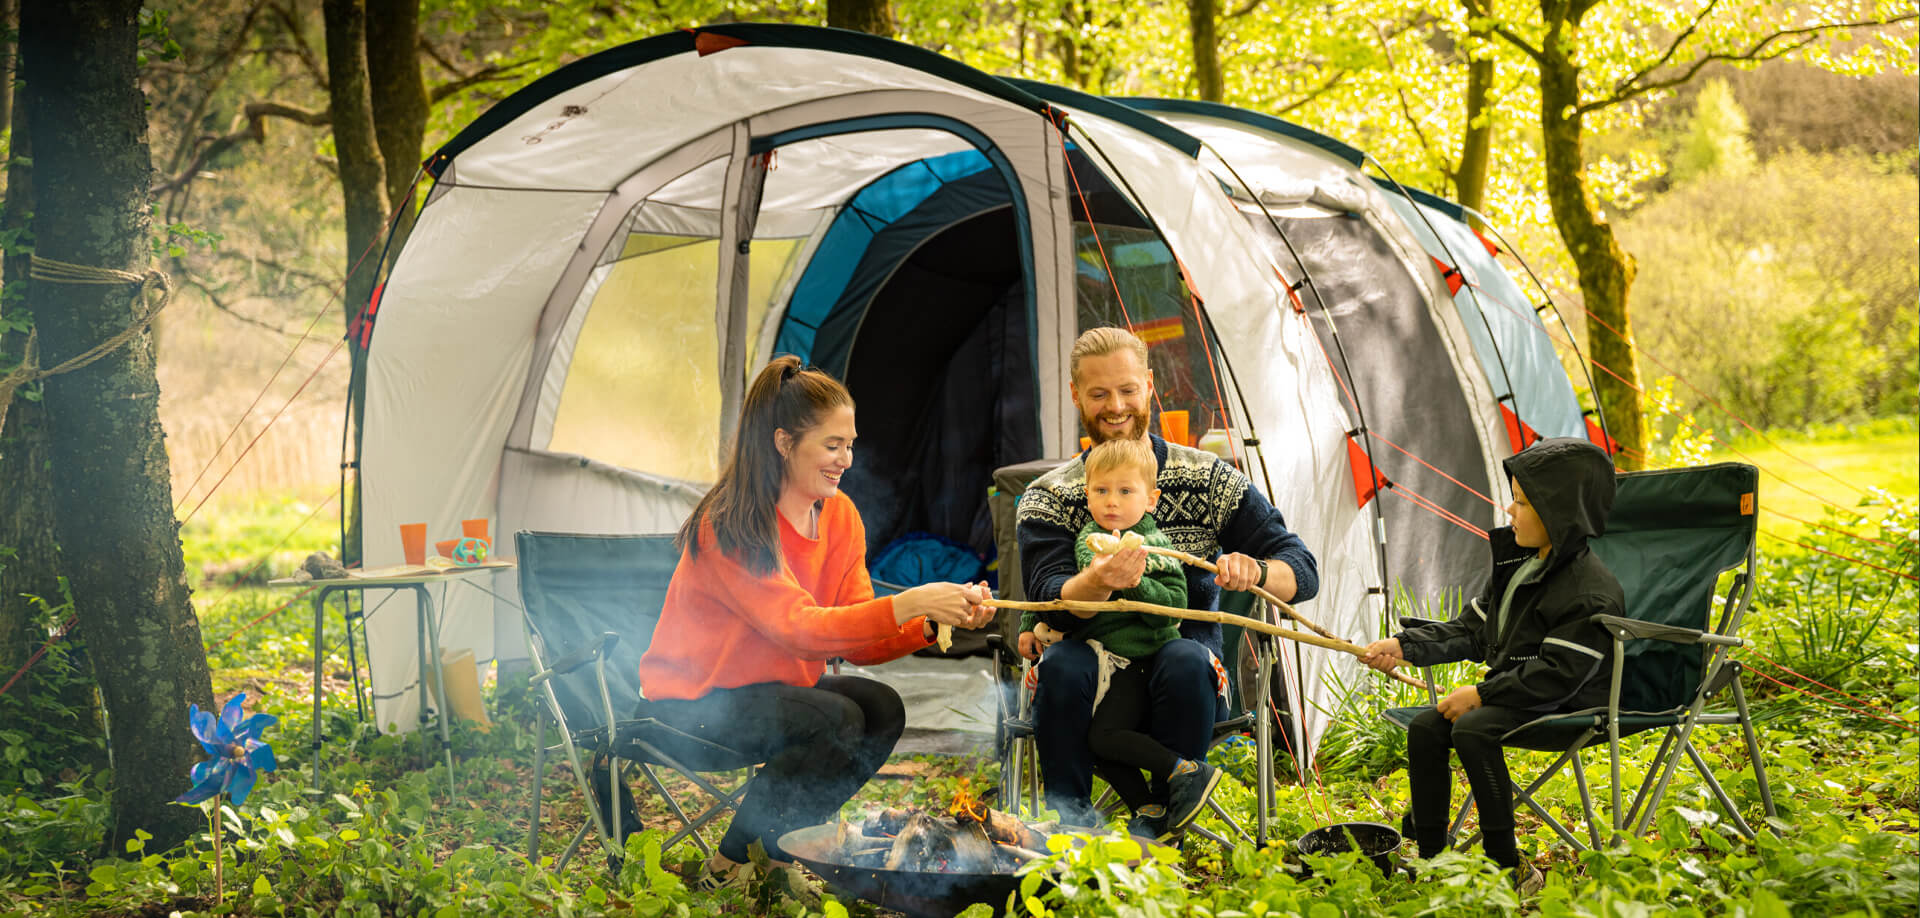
(607, 256)
(1445, 367)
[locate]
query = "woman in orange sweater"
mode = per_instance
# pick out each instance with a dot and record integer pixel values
(772, 582)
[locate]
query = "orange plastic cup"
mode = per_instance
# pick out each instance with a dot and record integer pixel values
(445, 547)
(1173, 427)
(473, 529)
(413, 542)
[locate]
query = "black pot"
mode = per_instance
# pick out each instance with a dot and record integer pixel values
(1377, 842)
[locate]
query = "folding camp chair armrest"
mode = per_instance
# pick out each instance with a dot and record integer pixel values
(1626, 629)
(595, 650)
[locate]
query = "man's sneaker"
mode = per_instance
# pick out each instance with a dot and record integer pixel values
(1528, 880)
(1187, 794)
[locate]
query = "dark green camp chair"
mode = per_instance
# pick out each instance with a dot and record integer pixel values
(591, 605)
(1670, 536)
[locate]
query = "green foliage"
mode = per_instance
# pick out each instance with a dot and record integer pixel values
(1803, 275)
(380, 836)
(1842, 623)
(1716, 140)
(46, 739)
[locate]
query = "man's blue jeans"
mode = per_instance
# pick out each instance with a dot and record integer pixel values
(1183, 681)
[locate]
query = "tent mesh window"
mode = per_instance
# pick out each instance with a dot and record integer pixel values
(1125, 275)
(650, 303)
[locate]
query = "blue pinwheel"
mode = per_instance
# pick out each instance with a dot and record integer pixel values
(239, 753)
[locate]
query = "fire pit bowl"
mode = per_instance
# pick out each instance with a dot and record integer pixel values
(1378, 842)
(922, 894)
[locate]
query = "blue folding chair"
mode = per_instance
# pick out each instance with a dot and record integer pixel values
(591, 604)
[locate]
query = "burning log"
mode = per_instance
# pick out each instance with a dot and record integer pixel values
(1001, 828)
(969, 837)
(887, 822)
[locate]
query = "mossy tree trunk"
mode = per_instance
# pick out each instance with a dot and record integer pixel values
(1203, 18)
(1476, 144)
(398, 96)
(1605, 270)
(871, 16)
(113, 508)
(363, 177)
(29, 559)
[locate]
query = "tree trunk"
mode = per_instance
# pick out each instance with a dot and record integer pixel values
(1204, 17)
(30, 565)
(114, 511)
(399, 92)
(1476, 145)
(363, 183)
(872, 16)
(362, 172)
(1066, 44)
(9, 28)
(1605, 270)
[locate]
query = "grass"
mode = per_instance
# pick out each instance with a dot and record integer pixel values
(1801, 478)
(1858, 786)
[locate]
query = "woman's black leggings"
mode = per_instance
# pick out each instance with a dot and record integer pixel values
(1476, 736)
(820, 746)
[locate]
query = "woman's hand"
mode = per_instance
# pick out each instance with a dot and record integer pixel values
(1383, 654)
(956, 604)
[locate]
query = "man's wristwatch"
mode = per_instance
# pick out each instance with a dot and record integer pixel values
(1263, 572)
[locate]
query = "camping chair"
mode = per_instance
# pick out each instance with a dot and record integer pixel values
(1670, 537)
(1013, 733)
(591, 604)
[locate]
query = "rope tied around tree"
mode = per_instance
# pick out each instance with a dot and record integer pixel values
(156, 289)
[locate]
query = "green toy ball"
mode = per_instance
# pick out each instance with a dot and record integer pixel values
(470, 551)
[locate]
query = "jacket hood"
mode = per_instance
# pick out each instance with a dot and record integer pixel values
(1570, 483)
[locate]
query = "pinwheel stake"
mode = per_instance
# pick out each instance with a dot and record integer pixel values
(239, 755)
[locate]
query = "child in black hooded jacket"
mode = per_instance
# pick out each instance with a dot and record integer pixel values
(1532, 627)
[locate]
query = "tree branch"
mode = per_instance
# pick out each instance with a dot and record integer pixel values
(1249, 7)
(255, 261)
(1758, 51)
(488, 74)
(1322, 90)
(254, 128)
(1513, 38)
(1667, 55)
(291, 23)
(1406, 107)
(213, 299)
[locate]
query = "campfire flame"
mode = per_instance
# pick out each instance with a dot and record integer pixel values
(967, 806)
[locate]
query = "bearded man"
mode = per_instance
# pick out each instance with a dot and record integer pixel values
(1207, 508)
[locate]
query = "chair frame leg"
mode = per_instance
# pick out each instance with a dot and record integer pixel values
(1526, 796)
(674, 806)
(1263, 738)
(539, 776)
(1753, 748)
(1719, 793)
(560, 866)
(1586, 799)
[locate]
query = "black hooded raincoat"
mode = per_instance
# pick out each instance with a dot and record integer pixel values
(1549, 654)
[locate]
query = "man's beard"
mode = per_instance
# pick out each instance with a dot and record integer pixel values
(1096, 433)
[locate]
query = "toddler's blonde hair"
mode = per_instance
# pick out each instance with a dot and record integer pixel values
(1123, 456)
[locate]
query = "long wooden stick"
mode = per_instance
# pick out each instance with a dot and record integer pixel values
(1285, 608)
(1198, 615)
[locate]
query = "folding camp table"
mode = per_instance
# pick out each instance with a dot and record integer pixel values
(408, 577)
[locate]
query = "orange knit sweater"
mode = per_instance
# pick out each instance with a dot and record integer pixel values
(725, 627)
